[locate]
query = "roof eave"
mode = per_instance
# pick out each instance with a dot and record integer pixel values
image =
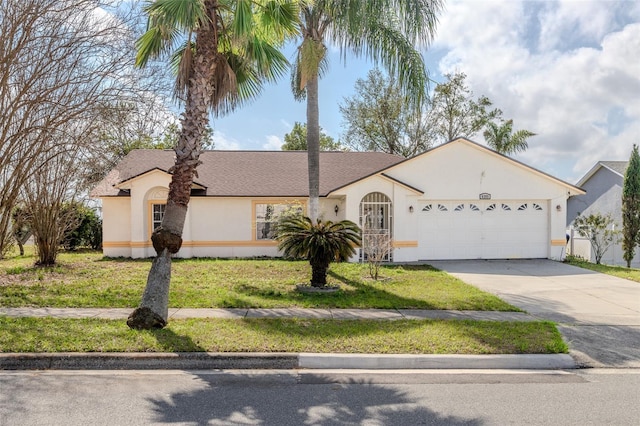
(126, 184)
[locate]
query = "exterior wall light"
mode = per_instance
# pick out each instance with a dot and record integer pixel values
(336, 209)
(410, 209)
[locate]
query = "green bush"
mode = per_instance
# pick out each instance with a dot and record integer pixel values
(88, 233)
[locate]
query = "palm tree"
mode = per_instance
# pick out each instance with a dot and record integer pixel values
(320, 243)
(385, 31)
(227, 51)
(501, 138)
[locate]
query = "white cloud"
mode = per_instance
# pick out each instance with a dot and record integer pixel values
(225, 143)
(567, 70)
(274, 143)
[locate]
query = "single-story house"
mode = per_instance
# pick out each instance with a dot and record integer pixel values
(603, 183)
(459, 200)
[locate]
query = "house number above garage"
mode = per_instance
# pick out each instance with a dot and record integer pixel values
(485, 196)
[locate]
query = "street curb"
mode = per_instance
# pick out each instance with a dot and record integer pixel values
(418, 362)
(147, 361)
(286, 361)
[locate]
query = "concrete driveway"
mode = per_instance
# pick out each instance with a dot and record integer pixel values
(597, 314)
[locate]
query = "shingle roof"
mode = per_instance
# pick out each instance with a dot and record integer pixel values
(619, 167)
(253, 173)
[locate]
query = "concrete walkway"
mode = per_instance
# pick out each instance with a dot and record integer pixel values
(375, 314)
(598, 314)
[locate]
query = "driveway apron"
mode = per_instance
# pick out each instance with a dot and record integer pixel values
(597, 314)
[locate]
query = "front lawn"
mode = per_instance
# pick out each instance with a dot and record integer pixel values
(86, 279)
(282, 335)
(617, 271)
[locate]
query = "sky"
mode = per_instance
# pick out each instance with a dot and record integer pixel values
(568, 70)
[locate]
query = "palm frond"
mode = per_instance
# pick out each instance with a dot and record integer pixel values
(311, 60)
(168, 21)
(242, 18)
(245, 40)
(299, 91)
(326, 241)
(280, 18)
(182, 66)
(184, 15)
(378, 31)
(269, 61)
(225, 87)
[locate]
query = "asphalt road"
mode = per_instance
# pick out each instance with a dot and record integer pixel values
(295, 397)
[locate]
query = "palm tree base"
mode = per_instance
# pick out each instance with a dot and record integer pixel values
(164, 239)
(310, 288)
(144, 318)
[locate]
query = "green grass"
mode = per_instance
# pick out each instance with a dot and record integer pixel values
(617, 271)
(282, 335)
(86, 279)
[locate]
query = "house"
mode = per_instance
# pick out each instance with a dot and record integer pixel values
(603, 184)
(460, 200)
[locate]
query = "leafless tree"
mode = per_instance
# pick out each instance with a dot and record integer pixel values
(49, 194)
(377, 245)
(21, 226)
(62, 64)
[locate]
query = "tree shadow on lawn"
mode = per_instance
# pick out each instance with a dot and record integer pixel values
(450, 336)
(369, 295)
(359, 295)
(169, 341)
(322, 332)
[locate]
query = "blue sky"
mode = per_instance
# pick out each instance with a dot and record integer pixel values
(567, 70)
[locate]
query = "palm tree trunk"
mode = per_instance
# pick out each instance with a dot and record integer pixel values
(319, 274)
(313, 146)
(167, 239)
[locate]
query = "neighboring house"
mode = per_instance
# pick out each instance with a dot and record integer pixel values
(603, 184)
(459, 200)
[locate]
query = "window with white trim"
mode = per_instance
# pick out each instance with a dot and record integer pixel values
(268, 214)
(157, 214)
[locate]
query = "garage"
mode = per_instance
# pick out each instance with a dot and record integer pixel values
(483, 229)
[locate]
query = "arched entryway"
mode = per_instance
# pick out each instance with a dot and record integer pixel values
(376, 221)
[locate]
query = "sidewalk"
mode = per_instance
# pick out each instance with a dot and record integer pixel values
(204, 360)
(235, 313)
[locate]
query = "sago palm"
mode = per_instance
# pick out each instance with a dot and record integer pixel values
(318, 242)
(388, 32)
(222, 51)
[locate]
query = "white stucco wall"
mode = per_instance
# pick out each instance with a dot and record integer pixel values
(214, 227)
(460, 171)
(116, 227)
(225, 227)
(464, 170)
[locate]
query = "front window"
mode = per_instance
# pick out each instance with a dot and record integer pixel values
(267, 215)
(157, 215)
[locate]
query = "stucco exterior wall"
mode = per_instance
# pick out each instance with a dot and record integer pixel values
(604, 195)
(404, 222)
(459, 172)
(214, 227)
(116, 227)
(225, 227)
(463, 171)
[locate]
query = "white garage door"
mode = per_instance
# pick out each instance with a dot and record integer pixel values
(486, 229)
